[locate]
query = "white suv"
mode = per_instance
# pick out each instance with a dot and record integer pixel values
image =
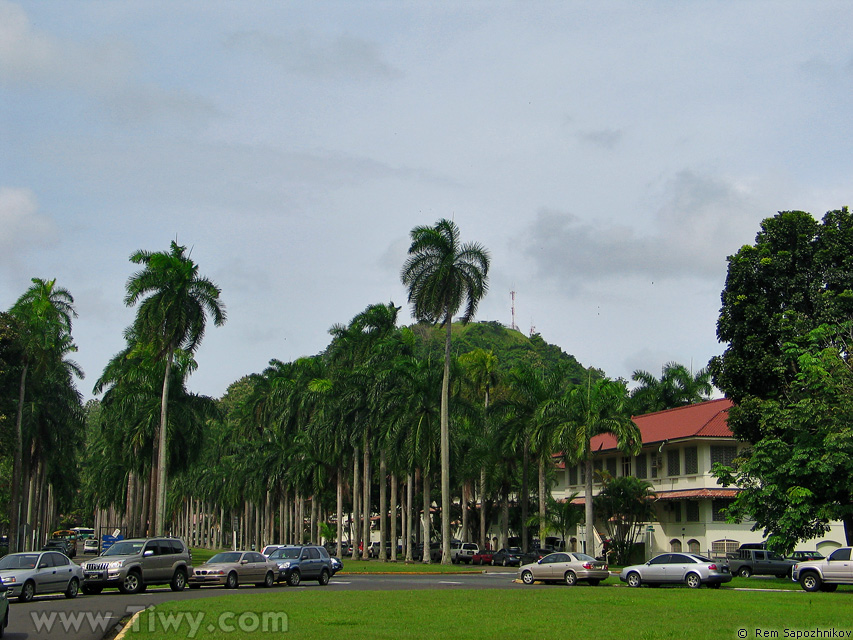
(826, 574)
(463, 552)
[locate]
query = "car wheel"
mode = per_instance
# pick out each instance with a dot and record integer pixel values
(231, 581)
(504, 562)
(745, 572)
(693, 580)
(527, 577)
(269, 580)
(27, 592)
(571, 578)
(179, 580)
(492, 562)
(324, 578)
(91, 591)
(633, 579)
(132, 583)
(829, 588)
(73, 588)
(294, 579)
(808, 581)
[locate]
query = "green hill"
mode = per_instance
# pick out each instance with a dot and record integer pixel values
(510, 346)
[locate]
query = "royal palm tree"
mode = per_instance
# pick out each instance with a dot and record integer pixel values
(443, 275)
(677, 387)
(173, 316)
(583, 412)
(43, 314)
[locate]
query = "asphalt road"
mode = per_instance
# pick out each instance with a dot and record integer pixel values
(93, 617)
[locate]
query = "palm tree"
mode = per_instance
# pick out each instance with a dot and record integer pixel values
(585, 411)
(172, 316)
(677, 387)
(44, 314)
(442, 275)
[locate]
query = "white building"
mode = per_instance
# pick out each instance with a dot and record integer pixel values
(679, 448)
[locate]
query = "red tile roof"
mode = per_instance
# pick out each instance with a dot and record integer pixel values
(684, 494)
(703, 420)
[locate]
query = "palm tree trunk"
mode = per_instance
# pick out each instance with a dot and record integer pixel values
(26, 498)
(426, 520)
(466, 487)
(366, 501)
(525, 492)
(483, 507)
(339, 511)
(504, 516)
(314, 518)
(160, 515)
(393, 513)
(409, 515)
(589, 522)
(383, 504)
(356, 519)
(15, 499)
(445, 451)
(543, 530)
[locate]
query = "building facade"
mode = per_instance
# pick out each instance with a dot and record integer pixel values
(680, 446)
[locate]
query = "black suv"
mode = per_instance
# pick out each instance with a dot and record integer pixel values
(131, 565)
(296, 563)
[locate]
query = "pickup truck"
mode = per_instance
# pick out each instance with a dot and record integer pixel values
(747, 562)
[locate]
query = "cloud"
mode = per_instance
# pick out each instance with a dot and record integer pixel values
(699, 220)
(311, 54)
(604, 138)
(23, 227)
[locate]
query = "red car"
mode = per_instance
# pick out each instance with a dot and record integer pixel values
(483, 557)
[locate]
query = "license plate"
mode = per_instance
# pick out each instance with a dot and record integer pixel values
(92, 575)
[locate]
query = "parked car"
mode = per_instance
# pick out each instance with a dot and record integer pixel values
(90, 545)
(825, 574)
(231, 568)
(677, 568)
(570, 568)
(534, 555)
(62, 546)
(462, 551)
(34, 573)
(4, 609)
(267, 550)
(483, 556)
(70, 536)
(132, 565)
(802, 556)
(510, 557)
(303, 563)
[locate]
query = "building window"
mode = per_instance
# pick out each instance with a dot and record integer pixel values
(675, 545)
(722, 547)
(657, 465)
(723, 454)
(611, 466)
(691, 460)
(573, 475)
(693, 546)
(718, 506)
(676, 511)
(692, 511)
(626, 466)
(673, 462)
(641, 466)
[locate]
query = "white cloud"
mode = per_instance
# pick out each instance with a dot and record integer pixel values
(23, 227)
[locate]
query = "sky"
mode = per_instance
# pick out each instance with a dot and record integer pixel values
(609, 155)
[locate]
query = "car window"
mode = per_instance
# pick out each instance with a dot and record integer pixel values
(554, 557)
(257, 557)
(60, 560)
(774, 556)
(314, 554)
(760, 555)
(840, 554)
(680, 558)
(124, 549)
(177, 546)
(46, 561)
(152, 546)
(661, 559)
(582, 557)
(289, 553)
(325, 554)
(165, 548)
(469, 546)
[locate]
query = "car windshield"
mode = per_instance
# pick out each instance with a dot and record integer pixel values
(289, 554)
(19, 561)
(231, 556)
(128, 548)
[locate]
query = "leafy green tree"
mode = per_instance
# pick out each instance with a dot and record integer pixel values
(797, 477)
(624, 506)
(443, 275)
(677, 387)
(172, 314)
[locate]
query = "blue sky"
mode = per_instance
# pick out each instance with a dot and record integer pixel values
(610, 155)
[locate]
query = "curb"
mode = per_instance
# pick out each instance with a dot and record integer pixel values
(128, 625)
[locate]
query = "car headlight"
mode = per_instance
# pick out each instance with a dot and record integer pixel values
(115, 564)
(7, 580)
(284, 565)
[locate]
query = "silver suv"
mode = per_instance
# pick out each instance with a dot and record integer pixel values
(132, 565)
(825, 574)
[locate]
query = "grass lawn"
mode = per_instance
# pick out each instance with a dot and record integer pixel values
(557, 612)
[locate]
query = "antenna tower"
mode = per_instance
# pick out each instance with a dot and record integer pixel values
(513, 326)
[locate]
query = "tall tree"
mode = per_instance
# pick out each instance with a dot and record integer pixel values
(677, 387)
(443, 275)
(173, 316)
(624, 507)
(44, 314)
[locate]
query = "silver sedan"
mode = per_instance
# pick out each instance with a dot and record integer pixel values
(231, 568)
(677, 568)
(32, 573)
(570, 568)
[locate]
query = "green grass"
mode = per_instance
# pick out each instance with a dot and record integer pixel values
(554, 612)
